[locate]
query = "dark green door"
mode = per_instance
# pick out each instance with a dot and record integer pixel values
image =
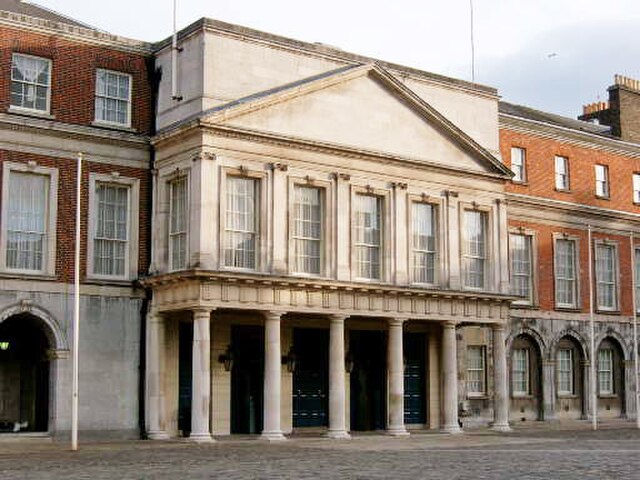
(310, 378)
(247, 388)
(415, 410)
(185, 376)
(368, 379)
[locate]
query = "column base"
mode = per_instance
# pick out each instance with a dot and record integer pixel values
(272, 436)
(453, 429)
(338, 435)
(158, 435)
(200, 438)
(500, 427)
(397, 432)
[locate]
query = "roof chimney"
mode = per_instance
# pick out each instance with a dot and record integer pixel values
(621, 112)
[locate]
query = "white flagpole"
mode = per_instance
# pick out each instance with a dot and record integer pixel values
(594, 405)
(635, 325)
(76, 313)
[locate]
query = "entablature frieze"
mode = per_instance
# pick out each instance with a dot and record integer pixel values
(195, 289)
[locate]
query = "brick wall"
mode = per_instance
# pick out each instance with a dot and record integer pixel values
(540, 158)
(73, 75)
(65, 258)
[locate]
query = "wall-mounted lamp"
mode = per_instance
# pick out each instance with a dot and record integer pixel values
(4, 346)
(348, 362)
(290, 360)
(226, 359)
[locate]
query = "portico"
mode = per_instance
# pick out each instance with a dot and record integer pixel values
(213, 303)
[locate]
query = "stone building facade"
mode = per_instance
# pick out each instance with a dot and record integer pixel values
(64, 89)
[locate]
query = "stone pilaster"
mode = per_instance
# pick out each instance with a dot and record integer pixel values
(154, 381)
(501, 391)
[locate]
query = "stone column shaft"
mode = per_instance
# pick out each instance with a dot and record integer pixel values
(501, 391)
(450, 374)
(337, 390)
(156, 424)
(201, 372)
(272, 377)
(548, 390)
(395, 368)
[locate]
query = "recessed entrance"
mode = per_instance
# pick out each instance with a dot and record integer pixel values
(24, 375)
(368, 379)
(415, 408)
(247, 379)
(185, 376)
(310, 378)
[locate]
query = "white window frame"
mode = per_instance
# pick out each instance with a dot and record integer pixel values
(603, 185)
(576, 271)
(636, 188)
(608, 373)
(131, 252)
(562, 179)
(570, 372)
(326, 213)
(516, 391)
(255, 232)
(170, 183)
(613, 281)
(486, 256)
(263, 216)
(20, 108)
(126, 124)
(385, 239)
(480, 371)
(519, 164)
(436, 209)
(530, 237)
(49, 243)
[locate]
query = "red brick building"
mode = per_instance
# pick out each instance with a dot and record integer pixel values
(67, 88)
(572, 176)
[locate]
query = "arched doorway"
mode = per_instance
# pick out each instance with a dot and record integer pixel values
(570, 378)
(610, 379)
(525, 385)
(24, 375)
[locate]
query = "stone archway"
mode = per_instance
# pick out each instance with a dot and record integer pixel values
(611, 378)
(525, 378)
(571, 357)
(29, 340)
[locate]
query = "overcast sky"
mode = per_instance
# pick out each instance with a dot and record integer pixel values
(555, 55)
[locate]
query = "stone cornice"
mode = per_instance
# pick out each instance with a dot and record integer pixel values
(569, 135)
(72, 32)
(317, 146)
(328, 52)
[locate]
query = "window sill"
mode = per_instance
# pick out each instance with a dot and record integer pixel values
(479, 396)
(113, 126)
(30, 113)
(568, 396)
(608, 312)
(607, 395)
(568, 309)
(28, 276)
(524, 396)
(428, 286)
(525, 306)
(522, 184)
(563, 190)
(108, 281)
(603, 197)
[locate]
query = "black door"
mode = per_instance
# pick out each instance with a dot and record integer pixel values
(415, 410)
(368, 379)
(247, 344)
(185, 376)
(310, 378)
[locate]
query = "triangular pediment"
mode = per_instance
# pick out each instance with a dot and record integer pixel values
(362, 108)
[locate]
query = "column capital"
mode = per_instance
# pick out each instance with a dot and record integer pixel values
(337, 317)
(497, 327)
(272, 315)
(449, 324)
(200, 312)
(397, 321)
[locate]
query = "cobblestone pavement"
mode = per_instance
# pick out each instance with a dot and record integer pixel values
(532, 453)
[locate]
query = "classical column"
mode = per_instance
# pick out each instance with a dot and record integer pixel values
(272, 377)
(154, 385)
(201, 373)
(450, 374)
(395, 369)
(337, 391)
(548, 389)
(501, 391)
(589, 408)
